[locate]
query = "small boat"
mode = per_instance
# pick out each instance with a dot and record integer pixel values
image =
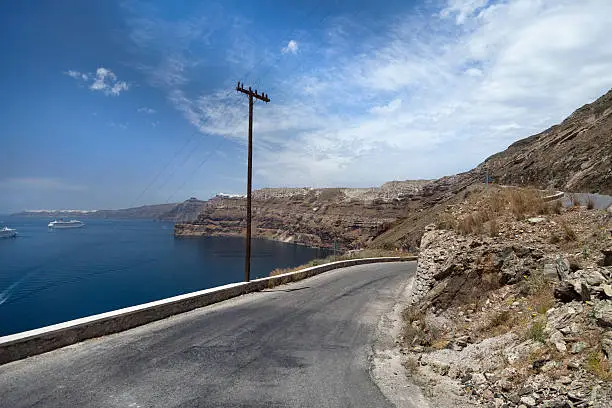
(65, 224)
(7, 232)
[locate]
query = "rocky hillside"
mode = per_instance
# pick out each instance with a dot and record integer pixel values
(347, 217)
(177, 212)
(512, 304)
(187, 211)
(575, 155)
(143, 212)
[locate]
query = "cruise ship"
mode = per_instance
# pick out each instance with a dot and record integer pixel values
(65, 224)
(7, 232)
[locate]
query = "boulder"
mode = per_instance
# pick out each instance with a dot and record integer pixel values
(529, 401)
(563, 268)
(565, 292)
(603, 313)
(592, 277)
(558, 341)
(550, 272)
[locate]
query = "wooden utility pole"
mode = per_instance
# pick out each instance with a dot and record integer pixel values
(262, 97)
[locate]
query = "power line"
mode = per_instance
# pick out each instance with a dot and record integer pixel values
(195, 147)
(161, 171)
(196, 169)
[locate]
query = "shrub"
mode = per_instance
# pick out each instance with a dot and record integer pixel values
(536, 331)
(414, 325)
(500, 319)
(569, 233)
(493, 228)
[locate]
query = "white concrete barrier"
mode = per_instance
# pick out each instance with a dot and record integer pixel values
(558, 195)
(32, 342)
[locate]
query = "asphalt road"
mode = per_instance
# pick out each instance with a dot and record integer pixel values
(300, 345)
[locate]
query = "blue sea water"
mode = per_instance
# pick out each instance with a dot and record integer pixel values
(50, 276)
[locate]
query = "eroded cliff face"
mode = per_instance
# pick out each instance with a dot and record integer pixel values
(575, 155)
(348, 218)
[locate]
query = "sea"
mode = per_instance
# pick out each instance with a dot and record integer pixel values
(51, 276)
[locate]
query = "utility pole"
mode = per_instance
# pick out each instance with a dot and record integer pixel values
(262, 97)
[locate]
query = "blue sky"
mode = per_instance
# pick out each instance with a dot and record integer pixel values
(115, 104)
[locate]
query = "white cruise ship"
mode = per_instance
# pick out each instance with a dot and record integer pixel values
(65, 224)
(7, 232)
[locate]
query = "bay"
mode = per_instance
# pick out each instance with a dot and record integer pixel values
(50, 276)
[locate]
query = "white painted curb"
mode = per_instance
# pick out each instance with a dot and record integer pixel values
(32, 342)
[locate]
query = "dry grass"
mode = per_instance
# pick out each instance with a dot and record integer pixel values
(414, 325)
(597, 364)
(568, 233)
(543, 301)
(493, 228)
(518, 202)
(411, 364)
(525, 202)
(446, 221)
(501, 323)
(474, 223)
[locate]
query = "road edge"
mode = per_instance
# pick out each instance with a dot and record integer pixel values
(386, 367)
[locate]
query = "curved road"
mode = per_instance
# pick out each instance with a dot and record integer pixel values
(299, 345)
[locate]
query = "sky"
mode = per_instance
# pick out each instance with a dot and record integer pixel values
(117, 104)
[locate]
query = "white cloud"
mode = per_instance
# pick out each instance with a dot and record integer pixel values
(148, 111)
(388, 108)
(462, 9)
(120, 125)
(106, 81)
(292, 47)
(103, 80)
(473, 72)
(423, 98)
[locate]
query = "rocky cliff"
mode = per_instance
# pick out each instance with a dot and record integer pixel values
(512, 304)
(575, 155)
(346, 217)
(187, 211)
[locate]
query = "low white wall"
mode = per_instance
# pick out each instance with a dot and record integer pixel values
(32, 342)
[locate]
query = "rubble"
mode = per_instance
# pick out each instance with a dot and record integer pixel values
(516, 319)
